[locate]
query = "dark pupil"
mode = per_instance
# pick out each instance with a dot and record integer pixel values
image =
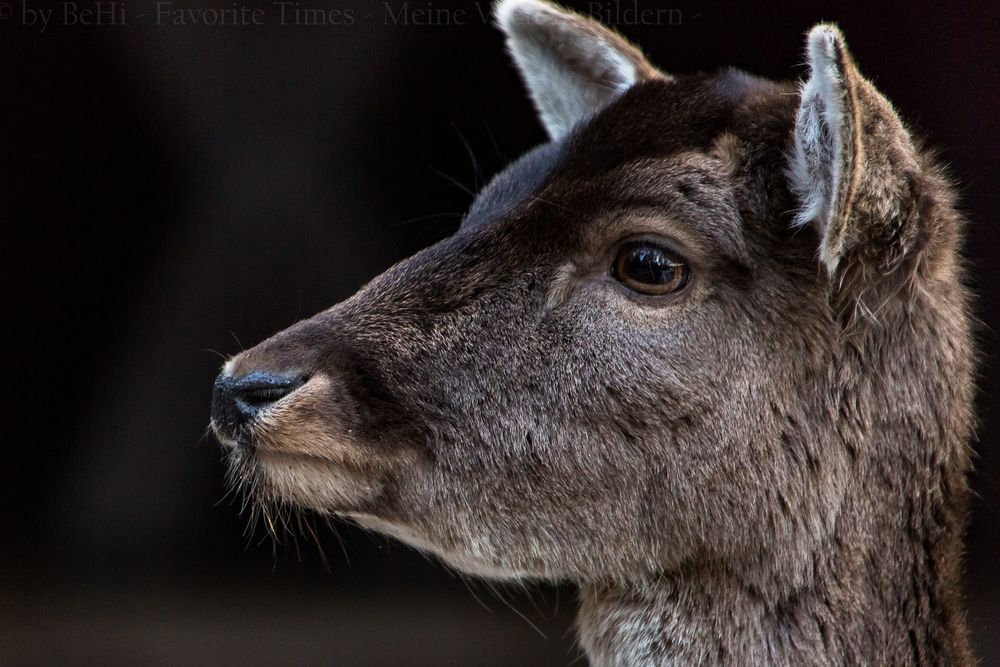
(650, 266)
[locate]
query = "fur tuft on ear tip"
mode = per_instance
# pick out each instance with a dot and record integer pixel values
(823, 43)
(511, 14)
(572, 65)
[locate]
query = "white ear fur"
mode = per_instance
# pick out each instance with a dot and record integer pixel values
(817, 164)
(572, 65)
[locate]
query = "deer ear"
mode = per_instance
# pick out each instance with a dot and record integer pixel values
(572, 65)
(853, 162)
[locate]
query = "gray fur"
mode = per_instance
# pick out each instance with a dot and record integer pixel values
(768, 468)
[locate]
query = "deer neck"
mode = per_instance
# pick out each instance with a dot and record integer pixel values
(889, 603)
(878, 584)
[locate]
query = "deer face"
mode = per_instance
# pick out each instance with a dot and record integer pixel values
(604, 371)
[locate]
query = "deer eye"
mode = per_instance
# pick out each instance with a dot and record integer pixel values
(649, 269)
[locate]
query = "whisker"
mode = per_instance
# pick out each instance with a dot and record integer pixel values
(429, 216)
(467, 583)
(476, 171)
(514, 609)
(220, 355)
(493, 141)
(454, 181)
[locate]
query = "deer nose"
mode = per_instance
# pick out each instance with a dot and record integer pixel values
(237, 400)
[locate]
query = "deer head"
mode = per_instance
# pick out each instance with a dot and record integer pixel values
(708, 332)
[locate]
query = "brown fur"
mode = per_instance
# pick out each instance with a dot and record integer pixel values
(768, 468)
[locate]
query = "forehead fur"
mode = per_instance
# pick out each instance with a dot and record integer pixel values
(665, 143)
(686, 114)
(657, 118)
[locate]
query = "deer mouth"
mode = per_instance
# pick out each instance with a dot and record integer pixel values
(288, 438)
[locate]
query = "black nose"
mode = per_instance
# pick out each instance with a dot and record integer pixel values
(237, 400)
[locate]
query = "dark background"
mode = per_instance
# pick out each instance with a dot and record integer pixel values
(174, 192)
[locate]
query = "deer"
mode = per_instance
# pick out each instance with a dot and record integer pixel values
(706, 353)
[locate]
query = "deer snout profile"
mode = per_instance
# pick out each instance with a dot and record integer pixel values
(705, 353)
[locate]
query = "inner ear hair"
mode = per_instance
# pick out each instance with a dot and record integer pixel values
(572, 65)
(824, 137)
(853, 162)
